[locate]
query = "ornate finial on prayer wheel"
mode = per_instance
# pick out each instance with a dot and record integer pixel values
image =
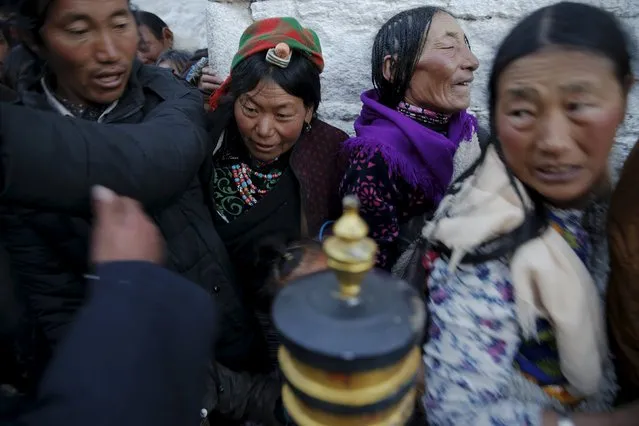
(350, 337)
(351, 254)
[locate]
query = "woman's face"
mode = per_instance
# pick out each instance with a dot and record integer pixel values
(444, 73)
(557, 114)
(90, 47)
(270, 120)
(150, 47)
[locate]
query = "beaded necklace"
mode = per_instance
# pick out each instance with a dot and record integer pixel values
(245, 187)
(423, 115)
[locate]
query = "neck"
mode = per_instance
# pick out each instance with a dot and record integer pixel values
(425, 116)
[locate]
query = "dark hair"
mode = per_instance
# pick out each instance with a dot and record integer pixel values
(567, 25)
(403, 38)
(179, 57)
(300, 79)
(155, 24)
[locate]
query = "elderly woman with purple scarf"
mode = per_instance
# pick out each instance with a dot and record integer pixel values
(414, 134)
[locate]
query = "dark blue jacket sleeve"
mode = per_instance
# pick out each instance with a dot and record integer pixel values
(137, 353)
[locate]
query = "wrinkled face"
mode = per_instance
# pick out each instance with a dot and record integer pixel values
(444, 73)
(90, 46)
(150, 47)
(557, 113)
(270, 120)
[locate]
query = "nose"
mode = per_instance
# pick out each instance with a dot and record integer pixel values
(471, 62)
(555, 136)
(106, 49)
(264, 127)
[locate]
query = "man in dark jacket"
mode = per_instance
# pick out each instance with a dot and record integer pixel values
(138, 350)
(92, 115)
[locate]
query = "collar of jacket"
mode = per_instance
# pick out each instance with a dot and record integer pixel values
(132, 99)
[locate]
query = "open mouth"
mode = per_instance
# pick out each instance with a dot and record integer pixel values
(263, 147)
(557, 174)
(465, 83)
(109, 81)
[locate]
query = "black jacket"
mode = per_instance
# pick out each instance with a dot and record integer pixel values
(143, 363)
(149, 148)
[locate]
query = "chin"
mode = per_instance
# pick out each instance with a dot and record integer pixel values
(567, 199)
(106, 98)
(462, 105)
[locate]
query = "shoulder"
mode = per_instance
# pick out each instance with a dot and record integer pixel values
(369, 162)
(323, 143)
(162, 82)
(326, 131)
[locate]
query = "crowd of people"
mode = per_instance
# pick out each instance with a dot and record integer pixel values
(236, 181)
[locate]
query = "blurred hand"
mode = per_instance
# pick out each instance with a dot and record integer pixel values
(209, 81)
(122, 231)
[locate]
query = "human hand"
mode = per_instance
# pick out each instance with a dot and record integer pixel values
(209, 81)
(122, 231)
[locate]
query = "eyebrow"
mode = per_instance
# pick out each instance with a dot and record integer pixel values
(285, 104)
(522, 93)
(73, 16)
(451, 34)
(577, 87)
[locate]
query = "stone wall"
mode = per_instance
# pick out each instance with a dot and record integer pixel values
(346, 29)
(187, 19)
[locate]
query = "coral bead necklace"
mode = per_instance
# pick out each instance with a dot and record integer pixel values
(244, 184)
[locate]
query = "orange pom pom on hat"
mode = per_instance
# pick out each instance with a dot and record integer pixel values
(265, 35)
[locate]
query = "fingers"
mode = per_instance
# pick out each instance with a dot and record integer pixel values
(209, 76)
(105, 204)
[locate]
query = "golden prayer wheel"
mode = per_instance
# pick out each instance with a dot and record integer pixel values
(350, 336)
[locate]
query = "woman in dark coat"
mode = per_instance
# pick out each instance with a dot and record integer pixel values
(276, 167)
(274, 170)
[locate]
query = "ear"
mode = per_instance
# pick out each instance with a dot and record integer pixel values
(388, 68)
(309, 115)
(167, 34)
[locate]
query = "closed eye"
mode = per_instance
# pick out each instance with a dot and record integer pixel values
(519, 113)
(575, 106)
(77, 31)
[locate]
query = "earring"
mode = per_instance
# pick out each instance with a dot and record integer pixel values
(307, 127)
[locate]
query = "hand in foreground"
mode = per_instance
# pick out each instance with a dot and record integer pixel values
(209, 81)
(122, 231)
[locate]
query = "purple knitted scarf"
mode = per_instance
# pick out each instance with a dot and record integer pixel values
(422, 157)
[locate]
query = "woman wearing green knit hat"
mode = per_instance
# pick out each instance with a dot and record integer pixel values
(275, 167)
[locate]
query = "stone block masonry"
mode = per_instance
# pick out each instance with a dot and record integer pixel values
(347, 28)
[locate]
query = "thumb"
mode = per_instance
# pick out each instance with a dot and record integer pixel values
(103, 203)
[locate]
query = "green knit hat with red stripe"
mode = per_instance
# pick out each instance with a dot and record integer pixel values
(268, 33)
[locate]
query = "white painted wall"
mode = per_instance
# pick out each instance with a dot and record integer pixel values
(187, 19)
(346, 29)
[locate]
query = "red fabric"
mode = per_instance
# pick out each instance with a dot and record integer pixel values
(214, 99)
